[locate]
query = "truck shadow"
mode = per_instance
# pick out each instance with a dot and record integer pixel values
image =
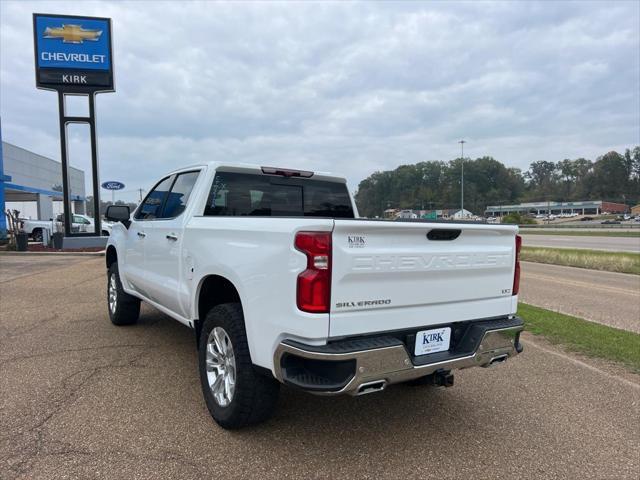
(399, 408)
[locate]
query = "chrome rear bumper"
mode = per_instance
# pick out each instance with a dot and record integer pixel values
(390, 362)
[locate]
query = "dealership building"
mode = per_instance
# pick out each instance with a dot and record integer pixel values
(588, 207)
(32, 183)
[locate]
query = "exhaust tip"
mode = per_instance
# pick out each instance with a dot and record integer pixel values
(496, 360)
(371, 387)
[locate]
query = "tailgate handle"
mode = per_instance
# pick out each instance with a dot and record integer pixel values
(443, 234)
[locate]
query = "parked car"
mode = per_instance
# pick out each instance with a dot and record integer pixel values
(282, 283)
(34, 228)
(81, 223)
(586, 219)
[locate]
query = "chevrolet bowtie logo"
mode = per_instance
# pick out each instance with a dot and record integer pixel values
(72, 34)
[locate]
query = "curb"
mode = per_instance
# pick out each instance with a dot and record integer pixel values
(82, 254)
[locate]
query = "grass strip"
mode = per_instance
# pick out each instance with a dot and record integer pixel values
(621, 262)
(575, 233)
(578, 335)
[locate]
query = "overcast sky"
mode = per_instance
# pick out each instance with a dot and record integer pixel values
(344, 87)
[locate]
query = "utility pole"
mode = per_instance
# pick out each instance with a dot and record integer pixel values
(140, 190)
(462, 142)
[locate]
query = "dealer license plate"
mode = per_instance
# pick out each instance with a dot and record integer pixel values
(432, 341)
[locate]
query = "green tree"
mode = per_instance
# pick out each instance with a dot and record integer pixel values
(611, 177)
(542, 179)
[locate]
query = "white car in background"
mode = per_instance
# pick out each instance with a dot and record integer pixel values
(80, 223)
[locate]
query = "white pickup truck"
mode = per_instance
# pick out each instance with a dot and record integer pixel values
(81, 223)
(282, 283)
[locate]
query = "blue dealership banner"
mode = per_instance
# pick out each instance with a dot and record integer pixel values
(73, 53)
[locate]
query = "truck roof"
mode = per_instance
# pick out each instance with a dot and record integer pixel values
(254, 168)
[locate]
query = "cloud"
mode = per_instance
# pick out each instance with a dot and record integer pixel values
(344, 87)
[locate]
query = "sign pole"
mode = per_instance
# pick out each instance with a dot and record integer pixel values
(73, 56)
(65, 166)
(94, 165)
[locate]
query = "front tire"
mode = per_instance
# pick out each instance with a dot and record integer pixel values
(124, 309)
(235, 394)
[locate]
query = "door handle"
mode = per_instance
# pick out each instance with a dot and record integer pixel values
(171, 236)
(142, 234)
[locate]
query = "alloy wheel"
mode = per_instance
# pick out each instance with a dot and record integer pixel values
(113, 294)
(221, 366)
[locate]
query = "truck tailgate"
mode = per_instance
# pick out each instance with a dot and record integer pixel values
(394, 275)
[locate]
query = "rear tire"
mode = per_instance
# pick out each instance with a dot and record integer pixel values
(124, 309)
(37, 234)
(236, 395)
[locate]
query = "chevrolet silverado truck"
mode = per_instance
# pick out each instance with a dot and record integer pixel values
(284, 284)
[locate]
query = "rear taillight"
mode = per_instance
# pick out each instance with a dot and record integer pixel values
(516, 273)
(314, 284)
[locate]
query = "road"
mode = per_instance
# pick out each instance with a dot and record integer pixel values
(82, 398)
(614, 244)
(604, 297)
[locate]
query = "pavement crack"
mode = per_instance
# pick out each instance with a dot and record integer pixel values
(71, 350)
(27, 330)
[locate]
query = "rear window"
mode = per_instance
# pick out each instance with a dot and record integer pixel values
(246, 194)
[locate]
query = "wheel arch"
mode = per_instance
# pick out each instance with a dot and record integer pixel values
(213, 290)
(111, 256)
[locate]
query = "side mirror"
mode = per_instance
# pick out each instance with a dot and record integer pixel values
(118, 213)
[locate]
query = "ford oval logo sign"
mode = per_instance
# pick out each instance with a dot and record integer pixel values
(113, 185)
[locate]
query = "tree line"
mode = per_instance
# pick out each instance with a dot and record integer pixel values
(104, 204)
(430, 185)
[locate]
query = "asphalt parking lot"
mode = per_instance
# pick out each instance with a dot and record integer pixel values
(84, 399)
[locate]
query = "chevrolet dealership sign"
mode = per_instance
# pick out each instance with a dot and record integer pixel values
(73, 56)
(72, 53)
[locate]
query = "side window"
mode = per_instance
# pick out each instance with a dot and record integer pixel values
(234, 194)
(151, 206)
(179, 195)
(217, 201)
